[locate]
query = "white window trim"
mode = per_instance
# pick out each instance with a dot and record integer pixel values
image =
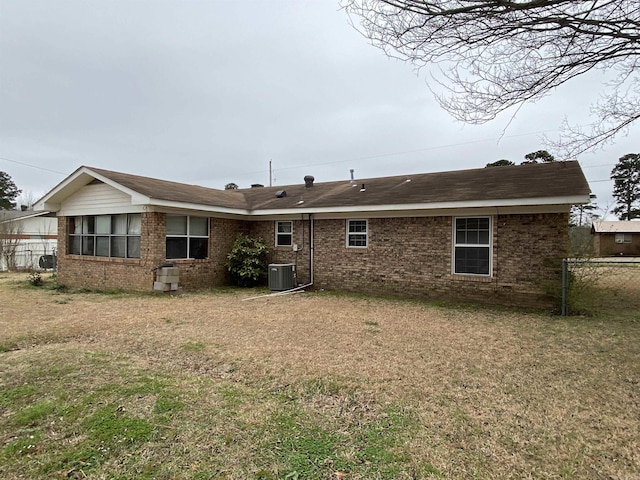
(454, 245)
(290, 234)
(366, 233)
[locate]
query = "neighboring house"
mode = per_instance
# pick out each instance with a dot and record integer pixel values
(489, 234)
(26, 235)
(616, 238)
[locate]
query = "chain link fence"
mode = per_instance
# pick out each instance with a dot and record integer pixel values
(29, 255)
(601, 286)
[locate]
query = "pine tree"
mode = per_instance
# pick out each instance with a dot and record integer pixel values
(8, 192)
(626, 188)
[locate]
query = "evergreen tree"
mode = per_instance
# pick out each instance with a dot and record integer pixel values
(500, 163)
(626, 187)
(8, 192)
(540, 156)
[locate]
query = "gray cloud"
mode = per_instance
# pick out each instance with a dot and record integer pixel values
(208, 92)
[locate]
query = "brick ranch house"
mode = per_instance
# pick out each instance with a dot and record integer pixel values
(616, 238)
(490, 234)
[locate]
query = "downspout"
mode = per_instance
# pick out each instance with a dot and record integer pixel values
(311, 249)
(495, 257)
(301, 287)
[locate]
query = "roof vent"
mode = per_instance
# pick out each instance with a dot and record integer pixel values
(256, 185)
(308, 181)
(281, 193)
(363, 188)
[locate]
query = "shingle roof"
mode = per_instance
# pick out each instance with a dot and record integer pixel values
(483, 184)
(616, 227)
(174, 191)
(512, 183)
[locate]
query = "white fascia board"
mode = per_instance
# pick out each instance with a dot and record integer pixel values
(442, 212)
(46, 207)
(531, 205)
(153, 202)
(139, 199)
(561, 202)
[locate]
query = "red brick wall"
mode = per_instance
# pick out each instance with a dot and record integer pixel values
(412, 256)
(605, 245)
(405, 256)
(211, 272)
(529, 252)
(137, 274)
(112, 273)
(266, 231)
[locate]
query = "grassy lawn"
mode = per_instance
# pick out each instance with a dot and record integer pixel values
(310, 386)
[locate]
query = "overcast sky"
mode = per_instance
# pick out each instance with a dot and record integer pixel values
(208, 92)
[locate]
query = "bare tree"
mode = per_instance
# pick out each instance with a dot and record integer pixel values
(10, 233)
(26, 199)
(497, 54)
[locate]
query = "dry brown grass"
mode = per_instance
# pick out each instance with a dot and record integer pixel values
(492, 394)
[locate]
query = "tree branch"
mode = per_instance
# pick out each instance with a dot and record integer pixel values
(494, 55)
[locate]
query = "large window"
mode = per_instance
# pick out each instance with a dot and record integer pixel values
(187, 237)
(357, 235)
(472, 245)
(105, 235)
(284, 234)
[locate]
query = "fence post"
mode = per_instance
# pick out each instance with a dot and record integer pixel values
(565, 286)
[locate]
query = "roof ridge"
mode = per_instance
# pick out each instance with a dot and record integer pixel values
(357, 180)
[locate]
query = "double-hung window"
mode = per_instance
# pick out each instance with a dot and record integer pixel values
(187, 237)
(357, 233)
(284, 234)
(105, 235)
(472, 245)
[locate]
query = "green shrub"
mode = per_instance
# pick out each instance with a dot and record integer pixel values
(248, 261)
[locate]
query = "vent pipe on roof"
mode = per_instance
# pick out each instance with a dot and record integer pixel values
(308, 181)
(352, 180)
